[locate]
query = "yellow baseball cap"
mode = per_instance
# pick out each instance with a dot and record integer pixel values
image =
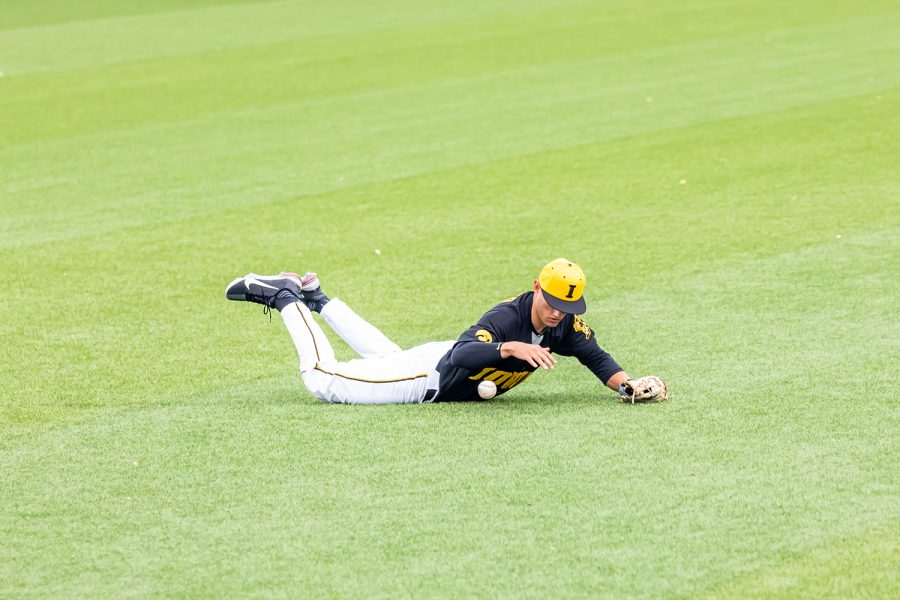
(562, 282)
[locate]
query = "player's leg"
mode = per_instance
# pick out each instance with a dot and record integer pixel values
(313, 348)
(404, 377)
(282, 292)
(400, 377)
(366, 339)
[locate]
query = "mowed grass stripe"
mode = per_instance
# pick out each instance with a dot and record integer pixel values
(863, 565)
(44, 13)
(616, 178)
(182, 90)
(222, 81)
(128, 39)
(251, 24)
(316, 158)
(872, 109)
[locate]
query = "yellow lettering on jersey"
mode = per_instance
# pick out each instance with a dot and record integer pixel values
(578, 324)
(484, 372)
(484, 335)
(499, 377)
(516, 379)
(503, 379)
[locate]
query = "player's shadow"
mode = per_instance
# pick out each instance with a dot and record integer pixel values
(541, 400)
(285, 390)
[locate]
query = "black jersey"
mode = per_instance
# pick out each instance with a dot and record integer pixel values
(476, 355)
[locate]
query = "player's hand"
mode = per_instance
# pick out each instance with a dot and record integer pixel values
(533, 354)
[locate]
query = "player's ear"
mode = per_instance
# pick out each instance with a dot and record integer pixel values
(537, 285)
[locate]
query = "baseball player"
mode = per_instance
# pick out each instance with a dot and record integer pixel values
(510, 342)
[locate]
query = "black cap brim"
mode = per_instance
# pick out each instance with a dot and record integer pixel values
(572, 307)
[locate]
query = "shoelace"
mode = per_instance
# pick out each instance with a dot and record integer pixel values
(267, 310)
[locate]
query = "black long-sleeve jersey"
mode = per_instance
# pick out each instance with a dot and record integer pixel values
(476, 355)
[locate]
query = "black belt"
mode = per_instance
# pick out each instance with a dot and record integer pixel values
(429, 395)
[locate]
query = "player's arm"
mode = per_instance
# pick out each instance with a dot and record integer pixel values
(580, 342)
(469, 354)
(484, 344)
(615, 382)
(477, 355)
(478, 346)
(533, 354)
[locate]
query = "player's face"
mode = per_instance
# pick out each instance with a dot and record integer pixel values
(542, 314)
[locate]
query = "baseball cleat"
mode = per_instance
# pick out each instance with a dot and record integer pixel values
(262, 289)
(308, 282)
(312, 295)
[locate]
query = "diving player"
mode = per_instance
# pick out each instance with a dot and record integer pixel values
(508, 343)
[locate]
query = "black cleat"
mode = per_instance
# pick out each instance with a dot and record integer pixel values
(262, 289)
(311, 293)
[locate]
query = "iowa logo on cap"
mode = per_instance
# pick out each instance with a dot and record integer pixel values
(562, 282)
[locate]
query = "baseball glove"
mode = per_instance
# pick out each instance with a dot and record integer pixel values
(644, 389)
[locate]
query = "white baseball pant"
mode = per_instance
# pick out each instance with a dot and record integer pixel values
(384, 374)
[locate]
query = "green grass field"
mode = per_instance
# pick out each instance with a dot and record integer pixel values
(726, 172)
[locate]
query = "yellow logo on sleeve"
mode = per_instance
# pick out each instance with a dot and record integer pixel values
(484, 335)
(578, 324)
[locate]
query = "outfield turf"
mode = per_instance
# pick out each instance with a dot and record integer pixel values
(726, 172)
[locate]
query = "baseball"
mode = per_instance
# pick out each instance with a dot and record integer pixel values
(487, 389)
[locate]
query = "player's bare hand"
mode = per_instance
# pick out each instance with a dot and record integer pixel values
(533, 354)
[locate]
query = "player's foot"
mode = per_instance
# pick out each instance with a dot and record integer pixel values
(263, 289)
(312, 294)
